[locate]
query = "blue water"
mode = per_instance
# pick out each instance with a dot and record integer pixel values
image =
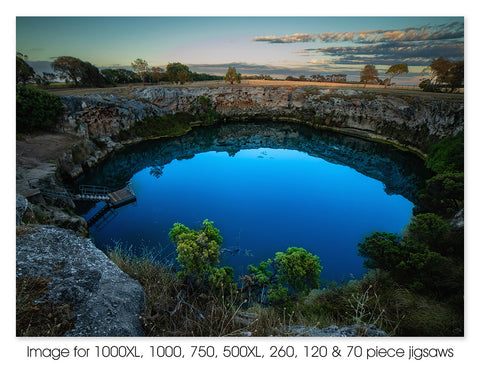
(263, 201)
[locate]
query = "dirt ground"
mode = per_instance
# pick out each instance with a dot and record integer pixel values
(33, 150)
(36, 156)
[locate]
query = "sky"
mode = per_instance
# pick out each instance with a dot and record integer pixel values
(278, 46)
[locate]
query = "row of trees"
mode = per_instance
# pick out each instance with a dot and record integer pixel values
(370, 74)
(441, 74)
(319, 78)
(25, 73)
(85, 74)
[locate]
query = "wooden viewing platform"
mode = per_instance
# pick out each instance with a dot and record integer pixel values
(121, 197)
(93, 193)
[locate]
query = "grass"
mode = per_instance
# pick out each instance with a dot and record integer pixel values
(37, 316)
(176, 308)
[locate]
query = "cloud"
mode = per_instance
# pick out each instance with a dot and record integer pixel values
(449, 31)
(386, 53)
(297, 37)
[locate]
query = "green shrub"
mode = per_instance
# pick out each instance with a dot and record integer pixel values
(164, 126)
(443, 194)
(290, 274)
(420, 260)
(447, 155)
(198, 254)
(36, 109)
(203, 110)
(299, 269)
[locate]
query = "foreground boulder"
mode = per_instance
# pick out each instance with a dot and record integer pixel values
(105, 301)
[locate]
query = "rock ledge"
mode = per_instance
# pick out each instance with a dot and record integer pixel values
(105, 301)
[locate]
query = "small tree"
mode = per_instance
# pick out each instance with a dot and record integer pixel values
(443, 73)
(25, 72)
(299, 269)
(232, 76)
(140, 67)
(178, 73)
(91, 76)
(369, 73)
(395, 70)
(198, 253)
(69, 68)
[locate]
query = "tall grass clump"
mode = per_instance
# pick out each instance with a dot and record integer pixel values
(174, 307)
(36, 315)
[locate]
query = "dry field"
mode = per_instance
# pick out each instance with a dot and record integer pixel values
(406, 91)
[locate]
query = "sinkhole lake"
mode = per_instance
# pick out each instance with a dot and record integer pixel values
(266, 187)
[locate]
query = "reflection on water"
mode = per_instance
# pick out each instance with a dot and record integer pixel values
(266, 187)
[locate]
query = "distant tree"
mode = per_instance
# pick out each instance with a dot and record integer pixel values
(440, 68)
(25, 72)
(120, 76)
(78, 71)
(157, 74)
(443, 74)
(456, 76)
(69, 68)
(140, 67)
(178, 73)
(368, 74)
(45, 80)
(395, 70)
(232, 76)
(338, 77)
(90, 76)
(204, 76)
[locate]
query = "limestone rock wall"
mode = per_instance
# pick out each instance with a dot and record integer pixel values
(410, 121)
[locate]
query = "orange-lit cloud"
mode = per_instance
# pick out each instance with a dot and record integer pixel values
(443, 32)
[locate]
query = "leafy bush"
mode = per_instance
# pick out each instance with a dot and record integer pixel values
(299, 269)
(198, 251)
(447, 155)
(444, 192)
(420, 260)
(203, 109)
(427, 86)
(431, 229)
(291, 273)
(36, 109)
(168, 125)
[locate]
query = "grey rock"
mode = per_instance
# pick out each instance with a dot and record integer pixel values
(106, 301)
(458, 221)
(21, 207)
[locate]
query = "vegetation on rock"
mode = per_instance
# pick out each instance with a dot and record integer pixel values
(36, 109)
